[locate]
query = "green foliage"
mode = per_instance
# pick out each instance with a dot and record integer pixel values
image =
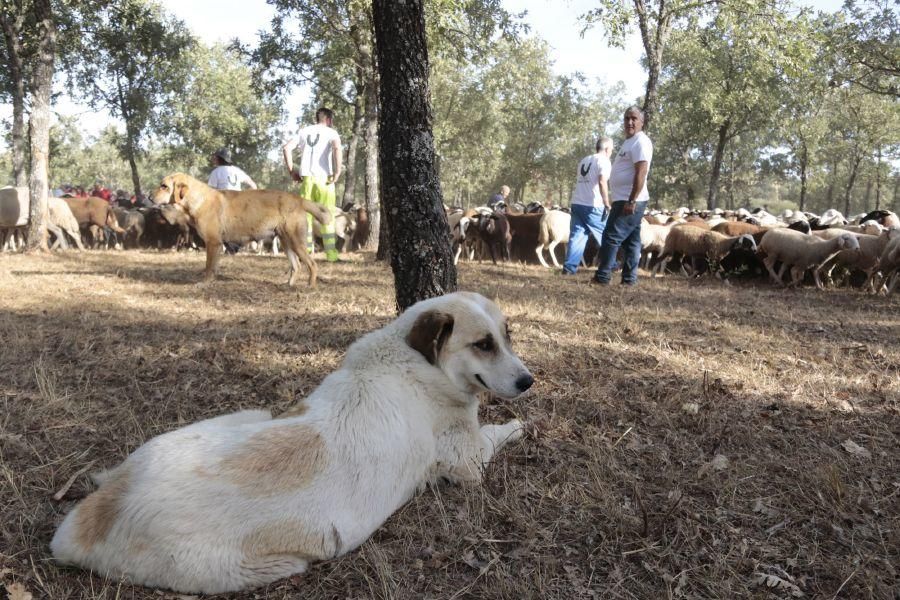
(509, 120)
(81, 161)
(218, 105)
(865, 37)
(130, 58)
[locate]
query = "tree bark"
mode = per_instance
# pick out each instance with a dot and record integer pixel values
(12, 26)
(349, 195)
(372, 204)
(410, 190)
(41, 87)
(878, 180)
(654, 42)
(848, 192)
(804, 166)
(712, 197)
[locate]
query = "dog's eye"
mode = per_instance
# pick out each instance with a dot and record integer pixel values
(485, 345)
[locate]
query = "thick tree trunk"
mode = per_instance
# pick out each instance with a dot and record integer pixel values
(130, 154)
(42, 84)
(712, 196)
(373, 206)
(410, 190)
(11, 35)
(384, 240)
(804, 166)
(653, 66)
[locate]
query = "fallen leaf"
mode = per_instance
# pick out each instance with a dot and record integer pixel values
(17, 591)
(719, 462)
(691, 408)
(854, 448)
(775, 582)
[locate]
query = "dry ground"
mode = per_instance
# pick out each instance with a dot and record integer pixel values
(691, 440)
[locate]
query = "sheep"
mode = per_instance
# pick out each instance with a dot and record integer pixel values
(889, 266)
(883, 217)
(656, 218)
(733, 228)
(801, 252)
(653, 240)
(554, 229)
(867, 259)
(60, 221)
(694, 242)
(493, 229)
(459, 224)
(868, 228)
(697, 222)
(832, 217)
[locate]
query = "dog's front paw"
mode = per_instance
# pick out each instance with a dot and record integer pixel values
(514, 430)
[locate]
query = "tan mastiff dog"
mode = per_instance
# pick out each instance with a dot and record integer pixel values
(241, 217)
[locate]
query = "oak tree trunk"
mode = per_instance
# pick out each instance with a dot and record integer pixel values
(848, 191)
(804, 166)
(349, 195)
(372, 204)
(712, 197)
(41, 87)
(410, 190)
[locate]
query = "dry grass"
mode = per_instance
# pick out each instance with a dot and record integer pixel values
(621, 491)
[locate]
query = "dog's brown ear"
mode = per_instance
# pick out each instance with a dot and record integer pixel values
(181, 189)
(429, 333)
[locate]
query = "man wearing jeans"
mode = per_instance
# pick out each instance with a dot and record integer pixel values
(628, 189)
(589, 203)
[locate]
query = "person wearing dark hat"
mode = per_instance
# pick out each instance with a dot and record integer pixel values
(226, 176)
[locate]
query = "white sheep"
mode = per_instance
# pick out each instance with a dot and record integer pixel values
(867, 259)
(60, 219)
(459, 225)
(801, 252)
(653, 240)
(868, 228)
(693, 242)
(832, 217)
(889, 266)
(553, 230)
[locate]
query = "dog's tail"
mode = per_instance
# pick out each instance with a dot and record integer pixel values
(319, 212)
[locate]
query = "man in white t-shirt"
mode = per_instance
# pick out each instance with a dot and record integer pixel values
(226, 176)
(628, 191)
(318, 170)
(589, 204)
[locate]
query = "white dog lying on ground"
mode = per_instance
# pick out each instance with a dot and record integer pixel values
(242, 500)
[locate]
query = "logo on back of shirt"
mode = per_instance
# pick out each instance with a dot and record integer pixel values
(232, 180)
(312, 145)
(584, 168)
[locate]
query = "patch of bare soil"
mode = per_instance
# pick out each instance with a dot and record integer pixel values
(688, 440)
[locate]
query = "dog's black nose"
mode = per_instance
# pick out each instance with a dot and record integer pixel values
(524, 382)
